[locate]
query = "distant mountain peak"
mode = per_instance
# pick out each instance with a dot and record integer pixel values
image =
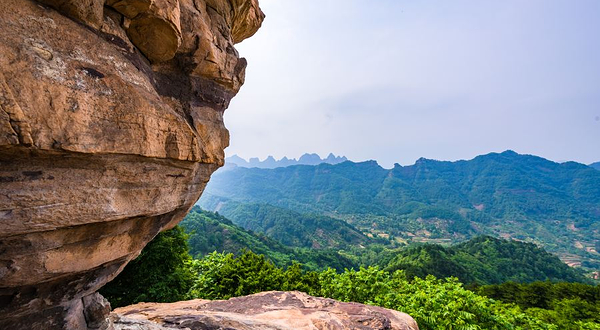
(236, 157)
(423, 161)
(310, 158)
(271, 162)
(502, 193)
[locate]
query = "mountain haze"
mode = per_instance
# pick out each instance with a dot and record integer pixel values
(500, 194)
(270, 162)
(595, 165)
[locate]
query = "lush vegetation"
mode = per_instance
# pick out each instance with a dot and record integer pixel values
(484, 260)
(210, 232)
(160, 273)
(295, 229)
(165, 272)
(556, 303)
(434, 303)
(503, 195)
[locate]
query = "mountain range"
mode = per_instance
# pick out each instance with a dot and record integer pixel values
(271, 162)
(506, 194)
(595, 165)
(483, 260)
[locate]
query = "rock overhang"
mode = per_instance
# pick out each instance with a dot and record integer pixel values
(111, 122)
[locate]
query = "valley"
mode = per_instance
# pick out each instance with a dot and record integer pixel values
(507, 195)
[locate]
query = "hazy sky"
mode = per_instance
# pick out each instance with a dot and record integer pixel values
(395, 80)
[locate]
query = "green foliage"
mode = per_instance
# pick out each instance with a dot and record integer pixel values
(210, 232)
(222, 276)
(292, 228)
(435, 304)
(485, 260)
(568, 305)
(161, 273)
(519, 196)
(429, 259)
(164, 272)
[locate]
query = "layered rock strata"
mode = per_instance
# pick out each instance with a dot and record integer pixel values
(262, 311)
(111, 123)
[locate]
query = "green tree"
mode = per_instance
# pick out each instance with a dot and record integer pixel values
(435, 304)
(222, 276)
(567, 305)
(161, 273)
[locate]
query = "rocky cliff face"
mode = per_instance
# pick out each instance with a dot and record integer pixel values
(111, 123)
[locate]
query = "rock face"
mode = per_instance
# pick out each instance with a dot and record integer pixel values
(262, 311)
(111, 123)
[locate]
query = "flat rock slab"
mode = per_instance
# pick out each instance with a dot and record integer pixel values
(266, 310)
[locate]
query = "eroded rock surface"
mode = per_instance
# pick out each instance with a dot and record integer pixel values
(111, 123)
(262, 311)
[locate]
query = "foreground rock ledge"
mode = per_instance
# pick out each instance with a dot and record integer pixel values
(266, 311)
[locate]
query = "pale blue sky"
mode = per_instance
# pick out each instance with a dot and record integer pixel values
(398, 80)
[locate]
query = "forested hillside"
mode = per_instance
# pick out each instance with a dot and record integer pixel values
(209, 232)
(500, 194)
(595, 165)
(483, 260)
(293, 228)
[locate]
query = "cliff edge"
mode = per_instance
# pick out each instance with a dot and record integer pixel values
(111, 123)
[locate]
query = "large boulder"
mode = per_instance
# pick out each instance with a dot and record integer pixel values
(111, 123)
(263, 311)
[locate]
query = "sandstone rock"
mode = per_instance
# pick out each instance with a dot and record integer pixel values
(89, 12)
(267, 310)
(154, 26)
(247, 13)
(100, 148)
(96, 311)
